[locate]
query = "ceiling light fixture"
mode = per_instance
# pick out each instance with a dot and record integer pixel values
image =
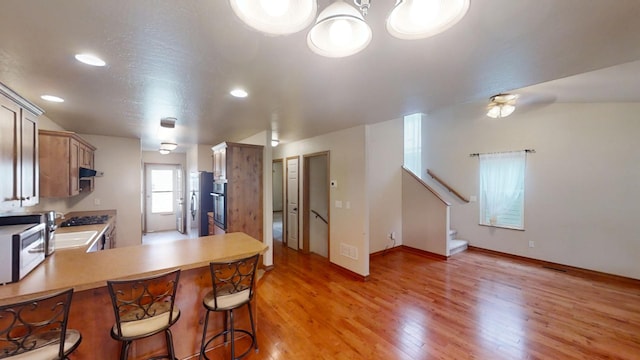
(419, 19)
(168, 146)
(340, 30)
(274, 142)
(501, 105)
(52, 98)
(90, 60)
(276, 17)
(164, 151)
(239, 93)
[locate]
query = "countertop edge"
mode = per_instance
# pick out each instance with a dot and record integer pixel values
(85, 271)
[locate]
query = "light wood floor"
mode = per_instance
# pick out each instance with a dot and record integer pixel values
(476, 305)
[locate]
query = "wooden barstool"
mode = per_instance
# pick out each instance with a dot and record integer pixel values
(36, 329)
(233, 284)
(144, 307)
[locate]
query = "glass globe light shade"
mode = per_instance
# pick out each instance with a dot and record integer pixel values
(339, 31)
(275, 17)
(419, 19)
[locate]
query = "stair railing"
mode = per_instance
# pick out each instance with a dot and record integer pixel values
(319, 216)
(443, 183)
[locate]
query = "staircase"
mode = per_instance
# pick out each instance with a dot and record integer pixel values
(456, 245)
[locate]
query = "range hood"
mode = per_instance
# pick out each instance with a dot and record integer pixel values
(85, 173)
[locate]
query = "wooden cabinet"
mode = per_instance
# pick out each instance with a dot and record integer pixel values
(211, 225)
(220, 162)
(85, 156)
(62, 154)
(242, 170)
(18, 151)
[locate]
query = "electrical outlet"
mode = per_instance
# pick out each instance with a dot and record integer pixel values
(532, 243)
(96, 201)
(392, 235)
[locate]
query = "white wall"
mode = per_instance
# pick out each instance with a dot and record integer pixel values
(385, 158)
(425, 218)
(348, 168)
(582, 200)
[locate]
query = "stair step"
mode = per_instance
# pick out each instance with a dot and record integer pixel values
(457, 246)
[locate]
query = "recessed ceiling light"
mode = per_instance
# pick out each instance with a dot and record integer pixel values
(90, 60)
(52, 98)
(239, 93)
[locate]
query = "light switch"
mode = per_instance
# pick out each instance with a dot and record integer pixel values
(338, 204)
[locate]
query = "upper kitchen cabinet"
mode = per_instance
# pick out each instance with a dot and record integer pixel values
(18, 150)
(220, 161)
(62, 154)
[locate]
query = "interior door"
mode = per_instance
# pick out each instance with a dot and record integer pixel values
(292, 202)
(161, 204)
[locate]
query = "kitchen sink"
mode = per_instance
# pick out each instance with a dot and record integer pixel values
(73, 239)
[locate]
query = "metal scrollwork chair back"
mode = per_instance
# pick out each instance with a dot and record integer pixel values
(144, 307)
(37, 328)
(233, 286)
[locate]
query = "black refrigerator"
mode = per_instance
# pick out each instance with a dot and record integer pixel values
(201, 201)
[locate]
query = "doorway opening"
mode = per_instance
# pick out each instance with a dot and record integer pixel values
(316, 204)
(163, 199)
(278, 199)
(292, 198)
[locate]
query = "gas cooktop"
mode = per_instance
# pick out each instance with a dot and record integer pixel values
(85, 220)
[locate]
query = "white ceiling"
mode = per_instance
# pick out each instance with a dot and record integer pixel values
(181, 58)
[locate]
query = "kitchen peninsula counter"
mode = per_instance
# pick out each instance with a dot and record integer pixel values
(87, 273)
(83, 271)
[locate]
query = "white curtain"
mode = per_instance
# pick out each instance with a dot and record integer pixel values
(501, 183)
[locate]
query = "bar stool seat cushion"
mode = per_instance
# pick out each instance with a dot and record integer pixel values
(49, 347)
(139, 328)
(229, 301)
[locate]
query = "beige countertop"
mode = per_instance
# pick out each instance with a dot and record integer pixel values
(83, 271)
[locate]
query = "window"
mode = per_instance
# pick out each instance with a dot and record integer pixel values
(161, 191)
(502, 189)
(413, 143)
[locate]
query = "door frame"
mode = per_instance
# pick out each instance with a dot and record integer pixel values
(178, 167)
(306, 206)
(285, 223)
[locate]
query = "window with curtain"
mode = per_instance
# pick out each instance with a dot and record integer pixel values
(502, 189)
(413, 143)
